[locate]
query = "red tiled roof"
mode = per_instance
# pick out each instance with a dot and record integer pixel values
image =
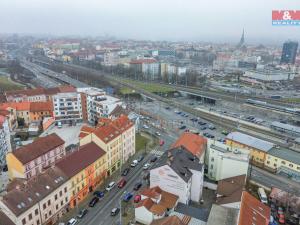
(41, 106)
(122, 123)
(170, 220)
(19, 106)
(107, 133)
(39, 147)
(252, 211)
(5, 220)
(192, 142)
(81, 159)
(27, 92)
(152, 192)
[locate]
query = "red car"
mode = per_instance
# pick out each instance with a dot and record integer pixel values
(137, 199)
(281, 218)
(122, 183)
(161, 142)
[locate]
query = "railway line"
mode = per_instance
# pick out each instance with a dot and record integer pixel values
(231, 124)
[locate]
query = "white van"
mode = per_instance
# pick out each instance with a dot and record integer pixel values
(59, 125)
(134, 163)
(262, 195)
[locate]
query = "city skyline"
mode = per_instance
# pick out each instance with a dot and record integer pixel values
(187, 21)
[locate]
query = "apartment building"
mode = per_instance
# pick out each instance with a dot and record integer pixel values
(149, 67)
(29, 111)
(67, 107)
(179, 172)
(36, 95)
(222, 161)
(115, 137)
(39, 200)
(85, 169)
(96, 104)
(193, 143)
(29, 160)
(258, 148)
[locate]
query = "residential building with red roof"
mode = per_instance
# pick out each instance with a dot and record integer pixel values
(154, 204)
(85, 168)
(194, 143)
(253, 211)
(116, 137)
(29, 160)
(39, 200)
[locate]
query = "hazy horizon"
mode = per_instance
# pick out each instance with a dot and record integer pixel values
(177, 20)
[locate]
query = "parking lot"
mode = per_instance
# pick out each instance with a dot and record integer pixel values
(68, 133)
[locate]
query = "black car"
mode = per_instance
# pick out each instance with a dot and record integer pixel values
(82, 213)
(182, 127)
(140, 158)
(93, 202)
(137, 186)
(125, 172)
(203, 128)
(153, 159)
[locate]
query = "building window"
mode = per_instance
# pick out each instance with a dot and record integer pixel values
(298, 167)
(24, 221)
(61, 203)
(55, 197)
(291, 165)
(30, 216)
(56, 207)
(283, 162)
(44, 206)
(38, 222)
(50, 213)
(49, 202)
(60, 193)
(66, 199)
(212, 159)
(36, 212)
(275, 165)
(46, 216)
(211, 166)
(65, 189)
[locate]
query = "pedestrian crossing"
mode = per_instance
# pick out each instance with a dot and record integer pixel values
(156, 152)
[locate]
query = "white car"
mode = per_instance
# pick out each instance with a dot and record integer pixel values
(110, 186)
(72, 221)
(157, 133)
(146, 166)
(145, 126)
(134, 163)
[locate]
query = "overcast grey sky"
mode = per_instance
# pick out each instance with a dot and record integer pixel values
(204, 20)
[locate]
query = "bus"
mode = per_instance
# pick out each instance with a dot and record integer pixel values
(262, 195)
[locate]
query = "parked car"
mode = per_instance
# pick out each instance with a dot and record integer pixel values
(153, 159)
(137, 186)
(137, 198)
(99, 194)
(114, 211)
(93, 202)
(211, 127)
(157, 133)
(110, 186)
(125, 172)
(134, 163)
(225, 132)
(146, 166)
(161, 142)
(122, 183)
(145, 126)
(72, 221)
(127, 197)
(82, 213)
(182, 127)
(140, 158)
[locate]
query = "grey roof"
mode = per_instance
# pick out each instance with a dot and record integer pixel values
(251, 141)
(181, 161)
(198, 213)
(286, 127)
(222, 215)
(286, 154)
